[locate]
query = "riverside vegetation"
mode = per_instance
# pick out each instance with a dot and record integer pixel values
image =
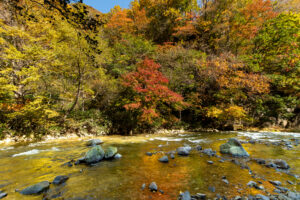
(224, 64)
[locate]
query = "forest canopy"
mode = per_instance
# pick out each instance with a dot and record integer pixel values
(159, 64)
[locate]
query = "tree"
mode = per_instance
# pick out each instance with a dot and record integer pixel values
(150, 94)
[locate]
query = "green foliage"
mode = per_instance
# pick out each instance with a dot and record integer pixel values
(129, 51)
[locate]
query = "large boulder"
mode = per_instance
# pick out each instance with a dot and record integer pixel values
(234, 148)
(36, 189)
(94, 155)
(94, 142)
(281, 164)
(110, 152)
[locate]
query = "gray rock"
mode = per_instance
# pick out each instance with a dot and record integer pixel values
(153, 187)
(278, 183)
(276, 191)
(60, 179)
(290, 182)
(293, 195)
(2, 195)
(94, 142)
(225, 181)
(118, 156)
(261, 197)
(234, 148)
(282, 197)
(282, 189)
(198, 148)
(209, 152)
(212, 188)
(210, 162)
(185, 196)
(252, 184)
(183, 151)
(110, 152)
(161, 191)
(143, 186)
(36, 189)
(164, 159)
(96, 154)
(199, 196)
(172, 156)
(149, 154)
(281, 164)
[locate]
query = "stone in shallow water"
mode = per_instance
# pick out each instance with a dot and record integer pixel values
(2, 195)
(143, 186)
(199, 196)
(210, 162)
(261, 197)
(118, 156)
(94, 142)
(183, 151)
(278, 183)
(60, 179)
(212, 188)
(293, 195)
(172, 156)
(281, 164)
(234, 148)
(153, 187)
(164, 159)
(252, 184)
(94, 155)
(149, 154)
(185, 196)
(36, 189)
(110, 152)
(209, 152)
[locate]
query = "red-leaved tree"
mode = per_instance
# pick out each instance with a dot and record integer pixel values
(151, 95)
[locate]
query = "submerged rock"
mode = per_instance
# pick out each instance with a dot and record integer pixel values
(234, 148)
(153, 187)
(36, 189)
(164, 159)
(94, 155)
(183, 151)
(60, 179)
(172, 156)
(185, 196)
(110, 152)
(94, 142)
(210, 162)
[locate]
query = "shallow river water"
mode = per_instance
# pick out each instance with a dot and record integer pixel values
(23, 165)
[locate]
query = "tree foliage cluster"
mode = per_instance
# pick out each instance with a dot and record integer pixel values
(158, 64)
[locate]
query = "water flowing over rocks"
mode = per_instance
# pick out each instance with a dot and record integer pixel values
(234, 148)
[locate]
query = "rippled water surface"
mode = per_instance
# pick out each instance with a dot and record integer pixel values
(24, 165)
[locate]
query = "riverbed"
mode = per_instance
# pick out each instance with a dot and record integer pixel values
(22, 165)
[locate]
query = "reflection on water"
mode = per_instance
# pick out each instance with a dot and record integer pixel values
(24, 165)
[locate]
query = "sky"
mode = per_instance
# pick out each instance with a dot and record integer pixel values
(105, 5)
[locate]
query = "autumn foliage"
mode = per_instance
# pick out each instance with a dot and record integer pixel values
(151, 90)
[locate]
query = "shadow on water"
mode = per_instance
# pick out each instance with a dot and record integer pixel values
(24, 165)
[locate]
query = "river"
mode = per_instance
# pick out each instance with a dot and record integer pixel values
(22, 165)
